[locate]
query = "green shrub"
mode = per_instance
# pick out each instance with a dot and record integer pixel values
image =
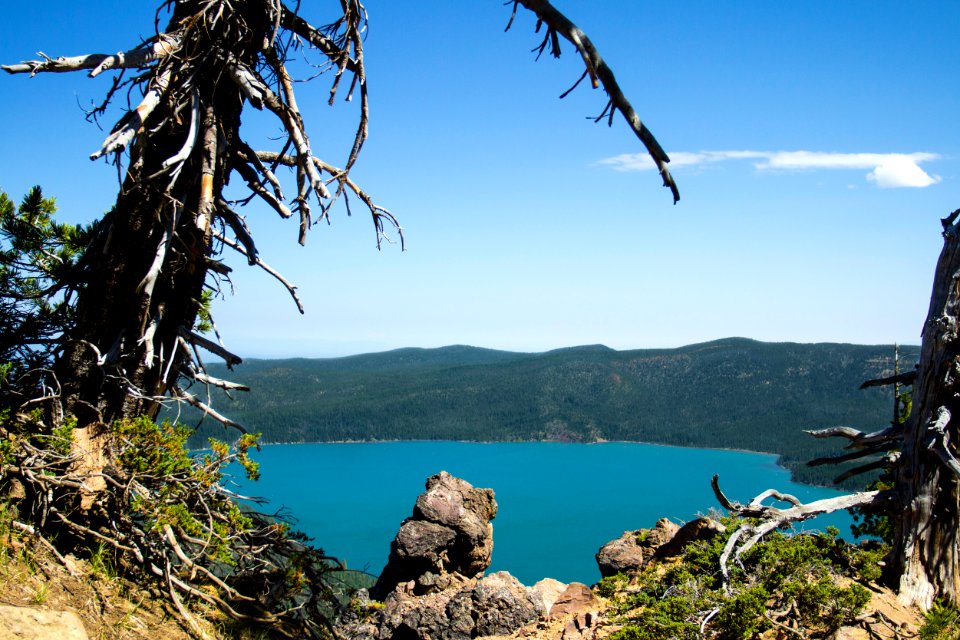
(782, 573)
(610, 585)
(942, 622)
(742, 615)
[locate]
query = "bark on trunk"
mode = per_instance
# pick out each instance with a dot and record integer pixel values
(149, 262)
(926, 555)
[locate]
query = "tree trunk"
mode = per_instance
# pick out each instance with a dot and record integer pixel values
(147, 267)
(925, 555)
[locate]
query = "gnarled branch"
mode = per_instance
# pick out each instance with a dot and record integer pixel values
(907, 378)
(937, 439)
(150, 51)
(597, 68)
(859, 439)
(772, 518)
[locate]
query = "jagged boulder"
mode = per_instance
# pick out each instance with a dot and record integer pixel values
(576, 598)
(464, 608)
(629, 552)
(547, 591)
(634, 549)
(449, 533)
(699, 529)
(662, 533)
(498, 605)
(467, 511)
(623, 555)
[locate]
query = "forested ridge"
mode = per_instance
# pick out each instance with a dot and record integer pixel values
(731, 393)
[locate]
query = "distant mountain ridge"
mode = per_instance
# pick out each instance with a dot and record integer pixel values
(730, 393)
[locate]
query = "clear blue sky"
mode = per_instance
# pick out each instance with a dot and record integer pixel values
(816, 146)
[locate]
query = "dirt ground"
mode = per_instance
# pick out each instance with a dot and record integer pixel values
(110, 607)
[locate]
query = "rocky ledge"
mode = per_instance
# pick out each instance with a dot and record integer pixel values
(433, 584)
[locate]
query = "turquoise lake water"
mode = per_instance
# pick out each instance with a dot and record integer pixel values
(558, 503)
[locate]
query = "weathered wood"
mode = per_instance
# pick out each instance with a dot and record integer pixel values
(138, 57)
(135, 340)
(600, 73)
(772, 518)
(860, 439)
(925, 555)
(901, 378)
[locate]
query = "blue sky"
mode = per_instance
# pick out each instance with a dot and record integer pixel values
(816, 146)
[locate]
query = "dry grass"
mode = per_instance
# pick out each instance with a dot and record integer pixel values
(110, 607)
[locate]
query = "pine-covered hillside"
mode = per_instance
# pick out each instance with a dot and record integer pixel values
(731, 393)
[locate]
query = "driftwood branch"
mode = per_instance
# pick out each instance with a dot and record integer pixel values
(772, 518)
(859, 439)
(211, 346)
(938, 439)
(99, 62)
(195, 402)
(599, 72)
(907, 378)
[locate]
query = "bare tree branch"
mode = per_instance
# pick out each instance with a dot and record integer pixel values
(938, 438)
(886, 462)
(290, 20)
(210, 411)
(291, 288)
(198, 340)
(772, 518)
(597, 68)
(133, 121)
(906, 378)
(860, 439)
(854, 455)
(378, 213)
(150, 51)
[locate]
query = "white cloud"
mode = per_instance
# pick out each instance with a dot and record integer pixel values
(888, 170)
(901, 172)
(643, 162)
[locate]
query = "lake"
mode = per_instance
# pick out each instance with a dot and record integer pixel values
(558, 503)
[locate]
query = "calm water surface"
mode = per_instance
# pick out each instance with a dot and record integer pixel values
(558, 502)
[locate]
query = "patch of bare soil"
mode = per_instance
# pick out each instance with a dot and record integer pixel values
(110, 607)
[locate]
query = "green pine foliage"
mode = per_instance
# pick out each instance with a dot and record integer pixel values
(39, 262)
(942, 622)
(812, 579)
(168, 519)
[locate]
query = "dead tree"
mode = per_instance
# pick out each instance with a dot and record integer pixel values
(135, 342)
(919, 455)
(926, 557)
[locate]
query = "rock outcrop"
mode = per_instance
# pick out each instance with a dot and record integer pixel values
(635, 549)
(699, 529)
(433, 588)
(449, 532)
